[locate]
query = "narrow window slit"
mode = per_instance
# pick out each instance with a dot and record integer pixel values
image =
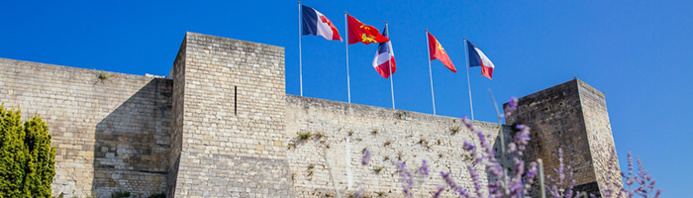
(235, 100)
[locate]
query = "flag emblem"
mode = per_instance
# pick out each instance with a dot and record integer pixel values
(366, 34)
(314, 23)
(436, 51)
(477, 58)
(384, 61)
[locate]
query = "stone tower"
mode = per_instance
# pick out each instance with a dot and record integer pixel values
(228, 118)
(571, 116)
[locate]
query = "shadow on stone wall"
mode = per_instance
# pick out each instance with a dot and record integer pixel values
(132, 143)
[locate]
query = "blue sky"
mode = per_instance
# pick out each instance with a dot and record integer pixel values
(639, 53)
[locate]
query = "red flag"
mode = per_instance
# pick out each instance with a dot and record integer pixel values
(437, 52)
(366, 34)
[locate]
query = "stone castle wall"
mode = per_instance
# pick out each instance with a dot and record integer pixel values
(390, 135)
(223, 126)
(110, 134)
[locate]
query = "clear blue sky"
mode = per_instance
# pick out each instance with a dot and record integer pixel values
(639, 53)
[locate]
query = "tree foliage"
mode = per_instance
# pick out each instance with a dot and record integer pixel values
(27, 160)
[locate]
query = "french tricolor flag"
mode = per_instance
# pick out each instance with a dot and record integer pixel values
(384, 61)
(314, 23)
(478, 58)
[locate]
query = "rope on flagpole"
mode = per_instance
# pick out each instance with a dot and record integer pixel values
(430, 73)
(469, 86)
(346, 26)
(300, 55)
(389, 68)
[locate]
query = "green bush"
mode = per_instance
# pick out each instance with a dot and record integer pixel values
(27, 160)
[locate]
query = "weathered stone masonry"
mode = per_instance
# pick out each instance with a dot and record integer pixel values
(222, 125)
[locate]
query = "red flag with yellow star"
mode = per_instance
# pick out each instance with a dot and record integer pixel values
(437, 52)
(366, 34)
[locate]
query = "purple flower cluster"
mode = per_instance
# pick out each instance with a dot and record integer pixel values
(646, 184)
(512, 106)
(423, 170)
(407, 179)
(359, 193)
(563, 187)
(501, 185)
(453, 185)
(366, 157)
(439, 190)
(520, 140)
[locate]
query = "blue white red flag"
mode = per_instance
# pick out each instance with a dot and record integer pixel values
(385, 58)
(478, 58)
(314, 23)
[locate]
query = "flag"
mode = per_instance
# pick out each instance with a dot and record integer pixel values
(385, 57)
(366, 34)
(437, 52)
(314, 23)
(478, 58)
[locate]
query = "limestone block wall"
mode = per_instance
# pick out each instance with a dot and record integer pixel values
(178, 74)
(233, 142)
(318, 163)
(601, 139)
(571, 116)
(110, 133)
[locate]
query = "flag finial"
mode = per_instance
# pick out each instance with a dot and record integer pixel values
(299, 2)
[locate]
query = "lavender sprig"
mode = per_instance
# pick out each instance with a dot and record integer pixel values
(366, 157)
(439, 190)
(512, 106)
(424, 168)
(407, 179)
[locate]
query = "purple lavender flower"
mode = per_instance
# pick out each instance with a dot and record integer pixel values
(451, 182)
(529, 176)
(438, 191)
(475, 180)
(472, 149)
(520, 140)
(407, 179)
(563, 187)
(468, 123)
(366, 157)
(424, 168)
(359, 193)
(512, 106)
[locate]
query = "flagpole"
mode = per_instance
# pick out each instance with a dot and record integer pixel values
(469, 86)
(346, 26)
(389, 68)
(430, 73)
(300, 55)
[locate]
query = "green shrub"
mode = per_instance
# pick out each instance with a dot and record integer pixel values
(27, 161)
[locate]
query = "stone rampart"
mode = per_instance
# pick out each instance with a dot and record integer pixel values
(111, 130)
(390, 135)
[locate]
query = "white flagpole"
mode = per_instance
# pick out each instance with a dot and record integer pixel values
(346, 26)
(469, 86)
(389, 68)
(300, 55)
(430, 73)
